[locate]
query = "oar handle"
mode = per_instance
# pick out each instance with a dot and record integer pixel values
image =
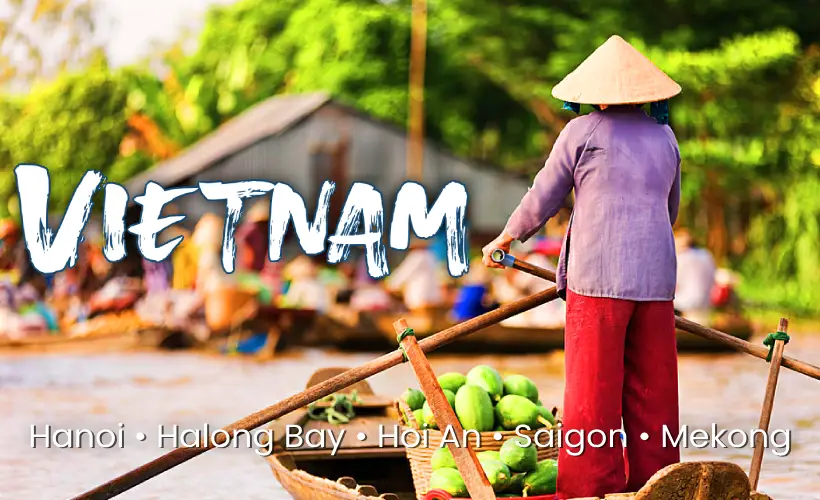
(501, 257)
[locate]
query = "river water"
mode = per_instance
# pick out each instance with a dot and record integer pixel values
(143, 390)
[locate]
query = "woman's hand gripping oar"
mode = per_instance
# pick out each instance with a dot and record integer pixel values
(500, 257)
(300, 400)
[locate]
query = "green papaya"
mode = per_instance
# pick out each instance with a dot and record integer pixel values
(543, 480)
(428, 417)
(518, 455)
(442, 459)
(521, 386)
(474, 408)
(515, 485)
(414, 398)
(513, 411)
(489, 455)
(546, 416)
(497, 473)
(487, 378)
(452, 381)
(450, 481)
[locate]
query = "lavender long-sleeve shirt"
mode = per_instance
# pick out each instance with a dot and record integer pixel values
(625, 169)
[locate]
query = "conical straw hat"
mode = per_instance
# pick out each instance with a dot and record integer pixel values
(616, 73)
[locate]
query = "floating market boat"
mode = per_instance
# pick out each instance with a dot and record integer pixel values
(362, 469)
(112, 331)
(317, 474)
(262, 330)
(733, 324)
(374, 331)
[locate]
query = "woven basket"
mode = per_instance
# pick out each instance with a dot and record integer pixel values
(419, 457)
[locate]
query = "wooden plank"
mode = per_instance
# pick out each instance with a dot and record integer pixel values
(466, 460)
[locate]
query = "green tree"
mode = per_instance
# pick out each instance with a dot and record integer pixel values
(72, 124)
(40, 38)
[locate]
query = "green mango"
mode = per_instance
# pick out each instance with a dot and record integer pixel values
(543, 480)
(489, 455)
(474, 409)
(442, 459)
(487, 378)
(518, 456)
(450, 481)
(414, 398)
(521, 386)
(452, 381)
(515, 486)
(497, 473)
(546, 417)
(513, 411)
(418, 415)
(428, 417)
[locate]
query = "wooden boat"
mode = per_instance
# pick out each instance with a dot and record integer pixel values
(362, 469)
(733, 324)
(374, 331)
(285, 327)
(113, 331)
(316, 474)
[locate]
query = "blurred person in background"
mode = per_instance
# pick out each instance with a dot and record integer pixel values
(184, 261)
(252, 237)
(348, 273)
(11, 247)
(617, 266)
(304, 291)
(207, 240)
(695, 279)
(418, 278)
(473, 297)
(724, 296)
(368, 294)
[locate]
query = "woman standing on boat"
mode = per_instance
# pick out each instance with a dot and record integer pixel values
(617, 268)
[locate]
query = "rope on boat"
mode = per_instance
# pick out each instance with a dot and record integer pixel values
(408, 332)
(340, 410)
(771, 339)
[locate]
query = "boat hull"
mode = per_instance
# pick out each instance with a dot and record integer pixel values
(318, 479)
(374, 332)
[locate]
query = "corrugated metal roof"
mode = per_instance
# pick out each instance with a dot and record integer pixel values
(266, 119)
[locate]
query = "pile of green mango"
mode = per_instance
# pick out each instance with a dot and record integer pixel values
(484, 401)
(514, 471)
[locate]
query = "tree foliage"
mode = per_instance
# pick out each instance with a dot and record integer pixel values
(748, 119)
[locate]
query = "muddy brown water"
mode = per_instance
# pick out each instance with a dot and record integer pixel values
(144, 390)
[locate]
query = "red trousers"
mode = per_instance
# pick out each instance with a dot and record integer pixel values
(621, 363)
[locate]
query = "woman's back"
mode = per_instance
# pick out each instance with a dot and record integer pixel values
(625, 204)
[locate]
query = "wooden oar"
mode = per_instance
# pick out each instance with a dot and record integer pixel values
(500, 257)
(768, 402)
(466, 460)
(180, 455)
